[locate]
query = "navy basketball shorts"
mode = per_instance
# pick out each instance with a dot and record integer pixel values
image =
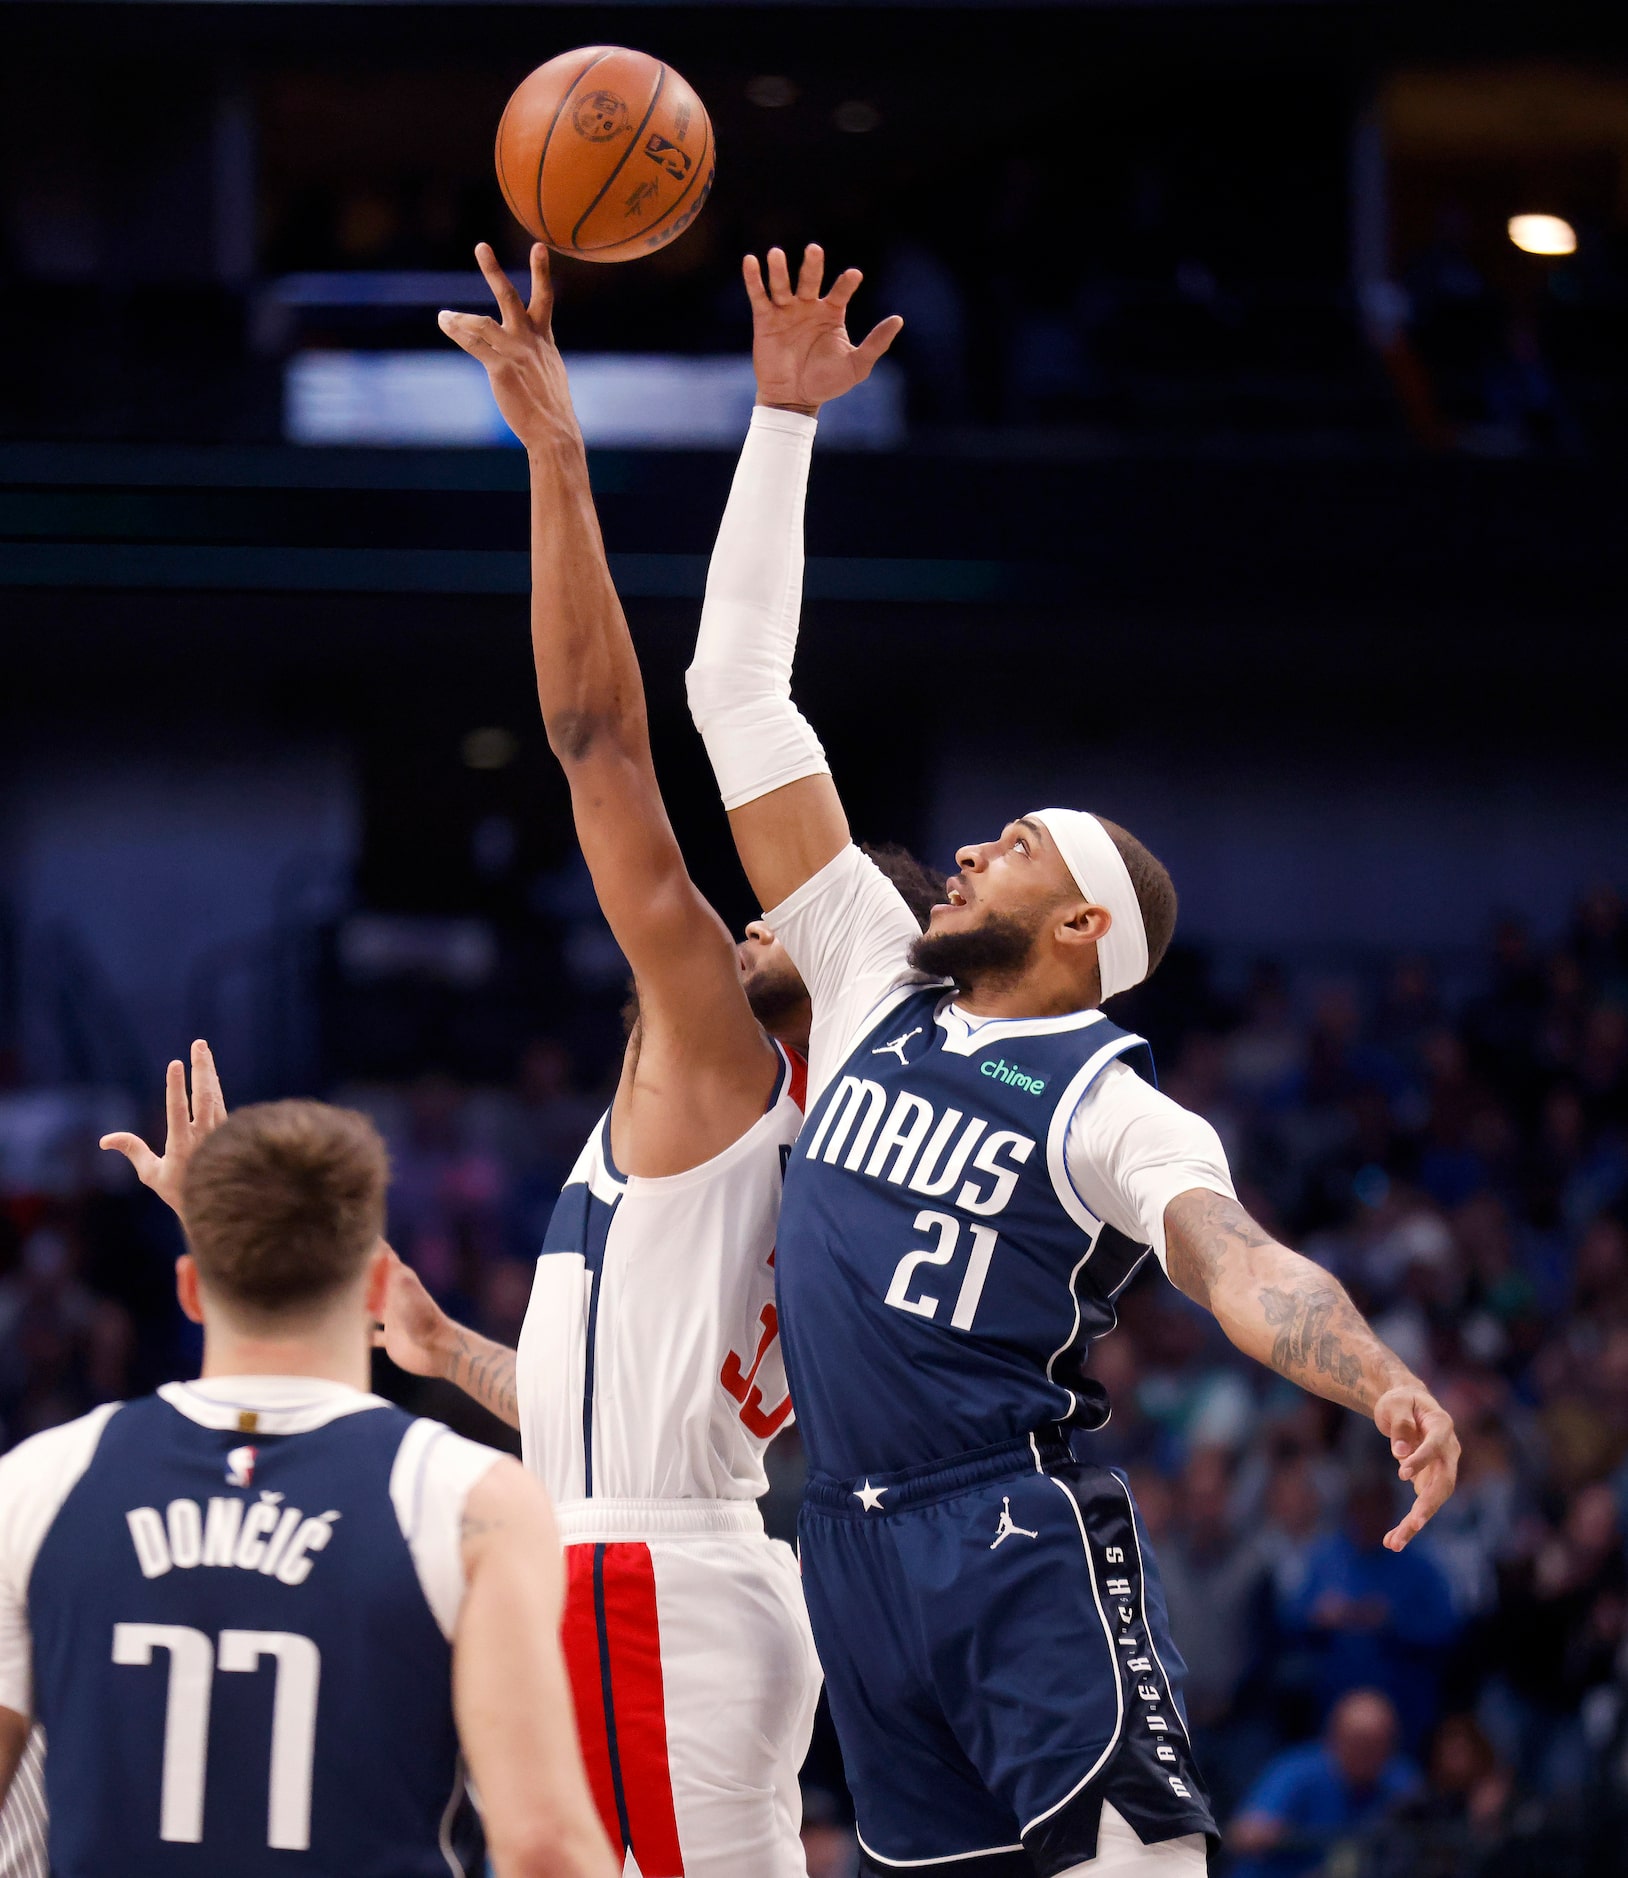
(998, 1660)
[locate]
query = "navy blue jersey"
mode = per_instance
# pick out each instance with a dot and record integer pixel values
(939, 1282)
(235, 1662)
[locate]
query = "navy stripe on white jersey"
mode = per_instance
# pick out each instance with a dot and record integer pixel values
(649, 1366)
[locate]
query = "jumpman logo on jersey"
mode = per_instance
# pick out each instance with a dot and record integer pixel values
(1007, 1529)
(896, 1047)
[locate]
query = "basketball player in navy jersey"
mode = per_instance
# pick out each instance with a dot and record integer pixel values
(648, 1381)
(985, 1164)
(260, 1614)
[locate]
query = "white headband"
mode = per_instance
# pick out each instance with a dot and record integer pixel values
(1100, 873)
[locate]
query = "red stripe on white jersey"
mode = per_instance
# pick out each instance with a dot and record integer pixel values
(798, 1088)
(579, 1638)
(639, 1701)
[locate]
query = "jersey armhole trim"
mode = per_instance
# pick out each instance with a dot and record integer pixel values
(1062, 1120)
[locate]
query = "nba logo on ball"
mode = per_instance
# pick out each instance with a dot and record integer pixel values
(240, 1467)
(605, 153)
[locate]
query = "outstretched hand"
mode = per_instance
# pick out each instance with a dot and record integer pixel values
(519, 353)
(800, 345)
(416, 1332)
(188, 1124)
(1424, 1445)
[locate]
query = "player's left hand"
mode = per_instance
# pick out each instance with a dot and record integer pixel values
(188, 1123)
(416, 1333)
(519, 353)
(1424, 1444)
(801, 351)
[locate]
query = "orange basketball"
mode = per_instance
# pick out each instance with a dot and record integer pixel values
(605, 153)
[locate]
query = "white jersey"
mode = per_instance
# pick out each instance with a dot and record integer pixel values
(649, 1366)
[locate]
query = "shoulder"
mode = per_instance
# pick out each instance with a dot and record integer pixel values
(431, 1484)
(433, 1473)
(1119, 1102)
(36, 1477)
(68, 1447)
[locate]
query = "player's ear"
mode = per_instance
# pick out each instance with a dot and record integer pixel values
(1082, 924)
(378, 1281)
(186, 1287)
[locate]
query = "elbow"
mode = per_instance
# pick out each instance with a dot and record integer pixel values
(552, 1849)
(576, 735)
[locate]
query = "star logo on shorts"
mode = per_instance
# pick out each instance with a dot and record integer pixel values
(869, 1497)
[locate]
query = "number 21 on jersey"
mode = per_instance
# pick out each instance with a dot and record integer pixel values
(945, 1231)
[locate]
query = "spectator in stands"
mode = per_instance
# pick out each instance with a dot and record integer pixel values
(1309, 1798)
(1374, 1619)
(1562, 1624)
(1218, 1591)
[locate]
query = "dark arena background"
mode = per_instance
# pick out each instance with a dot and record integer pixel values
(1236, 473)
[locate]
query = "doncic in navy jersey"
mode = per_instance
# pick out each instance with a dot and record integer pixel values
(939, 1280)
(235, 1662)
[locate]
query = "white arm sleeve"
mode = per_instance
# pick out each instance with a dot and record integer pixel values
(740, 681)
(429, 1483)
(849, 932)
(35, 1478)
(1130, 1151)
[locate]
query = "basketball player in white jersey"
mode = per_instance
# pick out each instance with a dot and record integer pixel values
(649, 1379)
(152, 1548)
(985, 1166)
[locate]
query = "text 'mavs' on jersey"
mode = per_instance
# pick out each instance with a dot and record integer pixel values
(236, 1661)
(940, 1281)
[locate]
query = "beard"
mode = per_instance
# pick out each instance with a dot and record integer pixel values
(775, 998)
(996, 951)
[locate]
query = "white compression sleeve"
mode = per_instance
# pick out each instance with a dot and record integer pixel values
(740, 682)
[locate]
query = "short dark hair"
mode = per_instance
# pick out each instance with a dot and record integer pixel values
(283, 1204)
(1155, 890)
(920, 887)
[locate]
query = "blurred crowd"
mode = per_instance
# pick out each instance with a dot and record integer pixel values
(1461, 1164)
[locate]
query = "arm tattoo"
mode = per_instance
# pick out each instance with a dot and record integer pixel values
(485, 1370)
(1210, 1227)
(1309, 1320)
(1276, 1304)
(471, 1528)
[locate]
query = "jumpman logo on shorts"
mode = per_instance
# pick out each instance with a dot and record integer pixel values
(1006, 1529)
(896, 1047)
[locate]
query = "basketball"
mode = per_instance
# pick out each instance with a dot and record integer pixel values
(605, 153)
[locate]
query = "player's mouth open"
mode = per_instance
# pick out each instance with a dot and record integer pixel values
(953, 896)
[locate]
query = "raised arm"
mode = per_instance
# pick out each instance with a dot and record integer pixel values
(784, 811)
(697, 1032)
(1290, 1314)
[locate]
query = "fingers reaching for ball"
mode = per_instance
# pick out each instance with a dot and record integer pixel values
(509, 304)
(779, 278)
(541, 310)
(801, 351)
(473, 331)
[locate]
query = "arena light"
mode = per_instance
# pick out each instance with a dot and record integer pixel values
(624, 400)
(1542, 234)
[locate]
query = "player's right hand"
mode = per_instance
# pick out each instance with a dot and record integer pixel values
(416, 1333)
(187, 1125)
(800, 347)
(519, 353)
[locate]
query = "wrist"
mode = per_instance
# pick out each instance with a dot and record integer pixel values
(554, 448)
(444, 1343)
(780, 404)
